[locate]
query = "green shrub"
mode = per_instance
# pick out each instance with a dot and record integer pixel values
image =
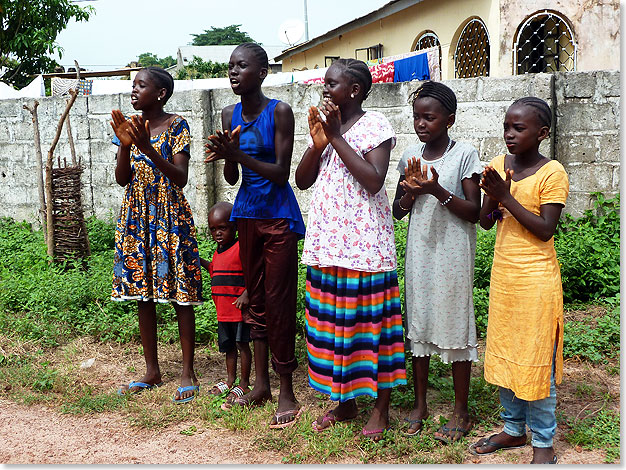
(588, 250)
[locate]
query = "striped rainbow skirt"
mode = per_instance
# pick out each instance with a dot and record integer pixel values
(354, 332)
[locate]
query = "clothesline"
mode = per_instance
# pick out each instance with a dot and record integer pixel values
(416, 65)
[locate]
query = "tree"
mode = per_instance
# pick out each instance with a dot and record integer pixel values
(28, 32)
(221, 36)
(147, 59)
(198, 68)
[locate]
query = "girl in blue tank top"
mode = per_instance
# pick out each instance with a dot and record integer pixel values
(258, 136)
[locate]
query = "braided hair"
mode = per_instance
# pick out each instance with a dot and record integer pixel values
(358, 71)
(438, 91)
(163, 79)
(541, 108)
(257, 52)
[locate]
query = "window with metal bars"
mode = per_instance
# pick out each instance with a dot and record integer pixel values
(427, 40)
(545, 43)
(471, 56)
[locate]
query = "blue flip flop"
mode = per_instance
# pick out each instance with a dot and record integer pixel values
(142, 386)
(181, 390)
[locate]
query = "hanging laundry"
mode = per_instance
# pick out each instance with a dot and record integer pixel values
(383, 72)
(411, 68)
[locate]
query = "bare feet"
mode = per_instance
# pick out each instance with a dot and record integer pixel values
(543, 455)
(151, 380)
(416, 420)
(455, 429)
(257, 397)
(376, 425)
(342, 412)
(496, 442)
(186, 381)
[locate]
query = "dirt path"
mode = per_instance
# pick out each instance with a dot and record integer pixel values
(37, 435)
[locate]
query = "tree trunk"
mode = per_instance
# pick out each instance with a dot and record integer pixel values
(39, 166)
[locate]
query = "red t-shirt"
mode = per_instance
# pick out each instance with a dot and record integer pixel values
(227, 283)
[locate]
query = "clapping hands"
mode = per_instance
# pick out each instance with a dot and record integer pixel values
(493, 184)
(134, 131)
(223, 145)
(416, 179)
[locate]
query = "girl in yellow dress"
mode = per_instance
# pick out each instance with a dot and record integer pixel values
(525, 193)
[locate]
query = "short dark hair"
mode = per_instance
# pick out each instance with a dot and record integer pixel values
(438, 91)
(541, 108)
(163, 80)
(358, 71)
(257, 51)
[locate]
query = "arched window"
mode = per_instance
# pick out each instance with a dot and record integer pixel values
(545, 43)
(427, 40)
(471, 56)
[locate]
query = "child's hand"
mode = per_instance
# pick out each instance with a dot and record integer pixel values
(494, 186)
(242, 300)
(139, 131)
(332, 125)
(223, 145)
(416, 178)
(316, 130)
(121, 126)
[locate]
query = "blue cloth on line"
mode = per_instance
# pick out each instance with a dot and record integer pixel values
(411, 68)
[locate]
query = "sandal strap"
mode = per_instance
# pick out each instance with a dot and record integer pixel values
(237, 391)
(221, 386)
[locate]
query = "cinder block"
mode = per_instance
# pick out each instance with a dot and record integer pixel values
(590, 176)
(104, 104)
(576, 149)
(573, 115)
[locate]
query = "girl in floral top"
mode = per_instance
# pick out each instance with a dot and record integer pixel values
(353, 316)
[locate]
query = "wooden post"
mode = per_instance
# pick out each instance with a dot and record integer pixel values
(39, 166)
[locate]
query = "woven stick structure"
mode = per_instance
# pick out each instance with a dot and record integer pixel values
(70, 231)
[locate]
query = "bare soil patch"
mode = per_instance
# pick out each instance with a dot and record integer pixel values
(41, 434)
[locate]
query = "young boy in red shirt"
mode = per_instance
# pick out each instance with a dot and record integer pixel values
(230, 297)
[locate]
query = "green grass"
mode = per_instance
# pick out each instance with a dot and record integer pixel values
(599, 431)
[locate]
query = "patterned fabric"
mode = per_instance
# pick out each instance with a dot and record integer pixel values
(156, 253)
(439, 263)
(382, 73)
(258, 197)
(526, 294)
(354, 332)
(227, 282)
(348, 226)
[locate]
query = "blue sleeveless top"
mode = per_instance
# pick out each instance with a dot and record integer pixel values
(258, 197)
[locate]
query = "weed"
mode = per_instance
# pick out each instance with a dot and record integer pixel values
(597, 432)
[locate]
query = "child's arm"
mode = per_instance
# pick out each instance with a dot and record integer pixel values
(278, 172)
(309, 166)
(177, 172)
(542, 225)
(487, 217)
(120, 126)
(242, 300)
(369, 171)
(205, 263)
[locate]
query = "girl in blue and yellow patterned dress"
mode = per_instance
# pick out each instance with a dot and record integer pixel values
(156, 253)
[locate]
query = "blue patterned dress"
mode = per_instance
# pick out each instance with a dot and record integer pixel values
(156, 253)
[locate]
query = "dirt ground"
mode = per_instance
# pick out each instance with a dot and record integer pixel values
(39, 434)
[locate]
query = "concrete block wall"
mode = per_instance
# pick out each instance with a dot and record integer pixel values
(585, 137)
(588, 134)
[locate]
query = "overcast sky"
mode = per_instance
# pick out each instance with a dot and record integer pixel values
(120, 30)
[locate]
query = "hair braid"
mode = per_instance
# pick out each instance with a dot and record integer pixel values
(438, 91)
(358, 71)
(541, 108)
(257, 51)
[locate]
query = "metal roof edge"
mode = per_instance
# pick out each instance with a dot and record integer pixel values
(394, 6)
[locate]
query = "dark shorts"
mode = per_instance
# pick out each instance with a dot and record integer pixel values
(231, 332)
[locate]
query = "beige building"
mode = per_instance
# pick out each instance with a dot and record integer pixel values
(494, 38)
